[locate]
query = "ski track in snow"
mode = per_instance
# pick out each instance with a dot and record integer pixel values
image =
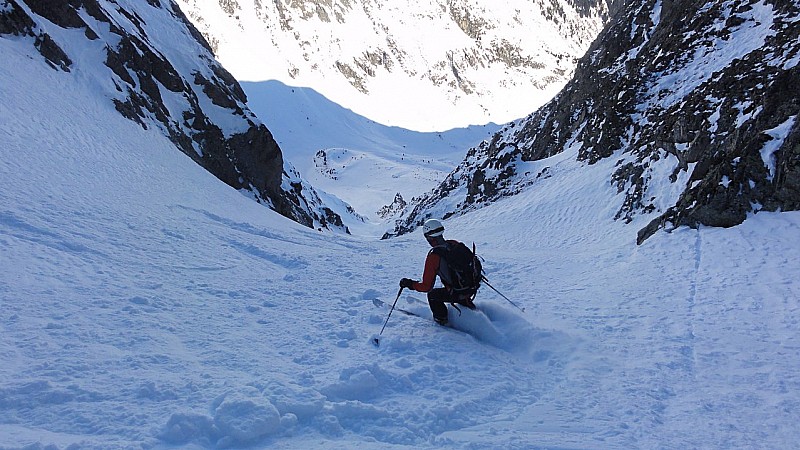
(146, 305)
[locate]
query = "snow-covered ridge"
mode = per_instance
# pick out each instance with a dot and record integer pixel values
(150, 62)
(424, 65)
(685, 97)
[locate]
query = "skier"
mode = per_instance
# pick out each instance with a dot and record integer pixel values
(454, 290)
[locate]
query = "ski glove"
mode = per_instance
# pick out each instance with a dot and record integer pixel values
(406, 283)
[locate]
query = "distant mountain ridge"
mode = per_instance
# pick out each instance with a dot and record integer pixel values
(699, 96)
(474, 62)
(158, 71)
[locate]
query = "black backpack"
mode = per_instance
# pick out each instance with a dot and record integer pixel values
(462, 269)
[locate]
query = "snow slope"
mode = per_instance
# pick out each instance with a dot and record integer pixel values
(144, 304)
(364, 163)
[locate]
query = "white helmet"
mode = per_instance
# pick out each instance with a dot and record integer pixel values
(432, 228)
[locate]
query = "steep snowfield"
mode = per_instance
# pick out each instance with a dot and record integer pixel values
(145, 304)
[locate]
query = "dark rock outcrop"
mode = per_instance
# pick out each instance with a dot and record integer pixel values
(708, 87)
(175, 87)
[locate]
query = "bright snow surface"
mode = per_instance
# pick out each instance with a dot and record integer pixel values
(365, 163)
(145, 304)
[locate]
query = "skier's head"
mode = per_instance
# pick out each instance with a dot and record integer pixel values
(433, 231)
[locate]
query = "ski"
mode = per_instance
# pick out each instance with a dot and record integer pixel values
(382, 304)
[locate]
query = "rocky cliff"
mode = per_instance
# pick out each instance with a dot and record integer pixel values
(158, 70)
(701, 95)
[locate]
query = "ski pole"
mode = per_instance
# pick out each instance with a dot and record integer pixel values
(501, 294)
(376, 341)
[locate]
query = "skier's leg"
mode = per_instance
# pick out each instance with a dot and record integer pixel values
(436, 299)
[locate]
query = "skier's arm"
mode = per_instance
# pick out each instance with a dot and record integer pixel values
(429, 275)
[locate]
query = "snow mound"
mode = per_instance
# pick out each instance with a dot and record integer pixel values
(240, 417)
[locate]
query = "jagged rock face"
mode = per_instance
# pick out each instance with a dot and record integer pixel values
(709, 87)
(397, 206)
(171, 83)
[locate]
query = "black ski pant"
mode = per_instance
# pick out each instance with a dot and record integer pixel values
(438, 297)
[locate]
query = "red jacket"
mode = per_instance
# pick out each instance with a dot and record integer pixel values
(432, 266)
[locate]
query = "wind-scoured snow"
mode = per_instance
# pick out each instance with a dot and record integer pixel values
(145, 304)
